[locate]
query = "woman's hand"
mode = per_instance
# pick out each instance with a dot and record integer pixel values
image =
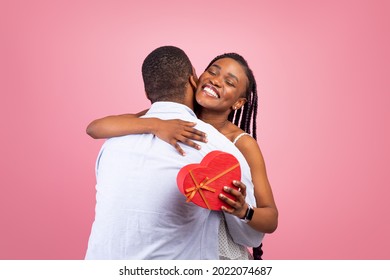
(239, 207)
(174, 131)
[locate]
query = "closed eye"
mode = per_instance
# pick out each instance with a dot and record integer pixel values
(230, 83)
(211, 72)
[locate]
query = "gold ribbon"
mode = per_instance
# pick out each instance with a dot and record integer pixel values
(190, 192)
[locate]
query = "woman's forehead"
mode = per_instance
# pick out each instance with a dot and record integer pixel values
(229, 64)
(231, 67)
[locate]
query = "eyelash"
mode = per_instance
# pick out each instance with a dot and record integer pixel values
(230, 83)
(211, 72)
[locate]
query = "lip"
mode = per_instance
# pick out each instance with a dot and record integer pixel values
(210, 91)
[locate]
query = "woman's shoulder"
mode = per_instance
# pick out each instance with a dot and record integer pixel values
(239, 136)
(233, 132)
(246, 143)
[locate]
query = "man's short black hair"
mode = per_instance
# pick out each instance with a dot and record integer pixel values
(165, 72)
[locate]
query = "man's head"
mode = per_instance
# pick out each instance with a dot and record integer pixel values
(167, 73)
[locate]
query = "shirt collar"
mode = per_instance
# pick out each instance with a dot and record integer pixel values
(167, 106)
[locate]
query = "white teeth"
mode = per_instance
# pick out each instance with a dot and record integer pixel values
(210, 92)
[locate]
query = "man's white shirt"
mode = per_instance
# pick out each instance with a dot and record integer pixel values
(140, 212)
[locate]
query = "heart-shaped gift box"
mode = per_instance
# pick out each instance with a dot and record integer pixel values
(202, 182)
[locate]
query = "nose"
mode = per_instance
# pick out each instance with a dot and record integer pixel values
(215, 81)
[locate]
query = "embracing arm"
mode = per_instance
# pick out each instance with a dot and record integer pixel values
(265, 218)
(170, 131)
(119, 125)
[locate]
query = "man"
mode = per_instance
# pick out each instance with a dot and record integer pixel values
(140, 213)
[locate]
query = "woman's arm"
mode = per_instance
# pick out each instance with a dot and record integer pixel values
(265, 218)
(119, 125)
(170, 131)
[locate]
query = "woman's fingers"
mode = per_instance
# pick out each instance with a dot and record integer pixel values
(178, 148)
(190, 143)
(189, 131)
(241, 187)
(195, 134)
(175, 131)
(238, 206)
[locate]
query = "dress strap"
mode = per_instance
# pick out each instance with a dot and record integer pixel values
(239, 136)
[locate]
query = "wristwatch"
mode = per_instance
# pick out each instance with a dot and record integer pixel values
(249, 214)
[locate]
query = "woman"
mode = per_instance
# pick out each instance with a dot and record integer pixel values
(226, 97)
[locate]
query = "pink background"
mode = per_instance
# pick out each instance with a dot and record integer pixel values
(322, 69)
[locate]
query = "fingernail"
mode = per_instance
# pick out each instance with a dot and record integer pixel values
(225, 188)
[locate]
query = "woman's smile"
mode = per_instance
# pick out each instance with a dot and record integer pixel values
(211, 91)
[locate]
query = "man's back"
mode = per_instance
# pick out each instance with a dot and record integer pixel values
(140, 213)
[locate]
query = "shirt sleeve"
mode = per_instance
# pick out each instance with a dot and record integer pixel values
(241, 232)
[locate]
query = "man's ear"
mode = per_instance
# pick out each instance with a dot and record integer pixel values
(239, 103)
(193, 82)
(193, 79)
(194, 74)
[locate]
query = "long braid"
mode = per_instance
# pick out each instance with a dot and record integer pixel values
(245, 117)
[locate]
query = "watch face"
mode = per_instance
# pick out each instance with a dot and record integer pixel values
(250, 213)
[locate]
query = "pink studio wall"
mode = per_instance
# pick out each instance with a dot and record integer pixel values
(322, 69)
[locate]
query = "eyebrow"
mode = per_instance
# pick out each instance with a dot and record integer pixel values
(230, 74)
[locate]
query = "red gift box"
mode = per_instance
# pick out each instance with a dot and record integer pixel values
(203, 182)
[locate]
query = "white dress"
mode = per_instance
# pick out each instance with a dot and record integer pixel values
(228, 249)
